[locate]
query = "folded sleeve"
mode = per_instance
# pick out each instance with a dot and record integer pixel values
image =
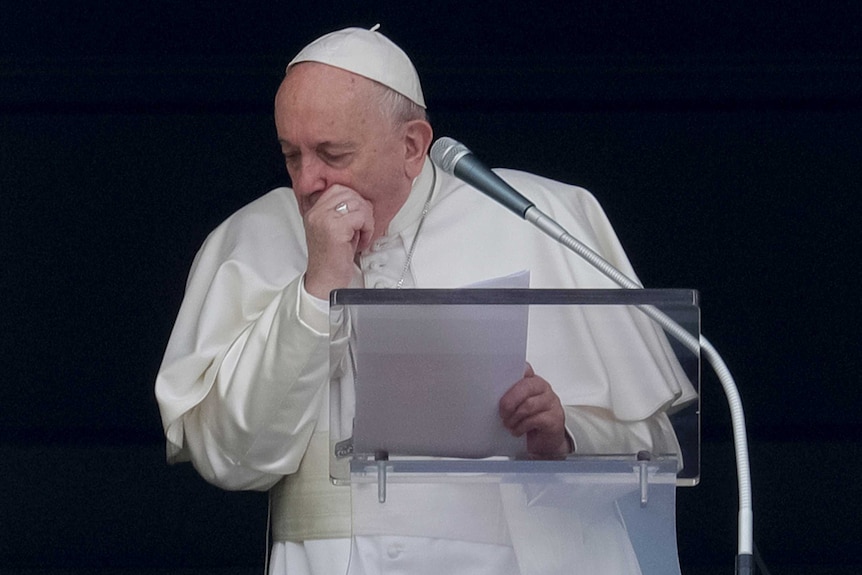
(243, 377)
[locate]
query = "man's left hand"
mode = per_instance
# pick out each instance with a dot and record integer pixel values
(531, 407)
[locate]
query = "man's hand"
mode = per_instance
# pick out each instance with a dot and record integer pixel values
(334, 238)
(531, 407)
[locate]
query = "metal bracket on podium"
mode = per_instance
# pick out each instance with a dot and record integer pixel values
(644, 458)
(382, 459)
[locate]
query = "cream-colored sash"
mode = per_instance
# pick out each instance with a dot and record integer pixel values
(306, 506)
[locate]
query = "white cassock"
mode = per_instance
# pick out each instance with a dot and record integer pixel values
(243, 385)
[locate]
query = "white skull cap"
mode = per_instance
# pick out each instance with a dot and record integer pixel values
(367, 53)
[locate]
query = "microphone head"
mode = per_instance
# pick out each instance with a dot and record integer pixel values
(446, 152)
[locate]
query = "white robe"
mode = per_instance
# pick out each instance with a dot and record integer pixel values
(242, 385)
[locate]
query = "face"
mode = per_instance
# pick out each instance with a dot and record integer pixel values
(332, 131)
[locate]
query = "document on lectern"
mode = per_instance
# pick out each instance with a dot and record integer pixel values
(430, 377)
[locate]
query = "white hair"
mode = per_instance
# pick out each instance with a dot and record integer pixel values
(397, 107)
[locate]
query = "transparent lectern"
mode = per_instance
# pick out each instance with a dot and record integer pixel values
(415, 435)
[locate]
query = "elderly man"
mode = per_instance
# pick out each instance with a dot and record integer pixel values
(243, 383)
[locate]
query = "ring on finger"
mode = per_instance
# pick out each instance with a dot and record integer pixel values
(342, 208)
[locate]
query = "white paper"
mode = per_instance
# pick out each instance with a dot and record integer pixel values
(430, 378)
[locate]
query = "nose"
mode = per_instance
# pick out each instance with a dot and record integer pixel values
(308, 176)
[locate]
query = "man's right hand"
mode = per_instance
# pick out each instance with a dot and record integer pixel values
(334, 239)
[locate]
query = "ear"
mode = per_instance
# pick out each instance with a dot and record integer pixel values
(417, 139)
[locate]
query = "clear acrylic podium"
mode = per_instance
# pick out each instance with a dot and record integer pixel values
(422, 459)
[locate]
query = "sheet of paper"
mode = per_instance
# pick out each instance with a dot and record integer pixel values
(429, 378)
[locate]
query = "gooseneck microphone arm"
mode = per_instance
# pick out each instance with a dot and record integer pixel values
(456, 159)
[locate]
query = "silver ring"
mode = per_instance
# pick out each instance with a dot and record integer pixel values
(342, 208)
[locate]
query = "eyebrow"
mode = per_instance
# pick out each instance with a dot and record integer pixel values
(325, 145)
(335, 146)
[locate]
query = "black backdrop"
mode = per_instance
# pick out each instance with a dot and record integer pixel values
(723, 141)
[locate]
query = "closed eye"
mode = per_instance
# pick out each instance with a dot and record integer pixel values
(337, 156)
(291, 158)
(336, 160)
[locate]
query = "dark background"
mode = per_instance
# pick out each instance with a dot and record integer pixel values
(722, 139)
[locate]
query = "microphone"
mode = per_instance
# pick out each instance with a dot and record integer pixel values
(454, 158)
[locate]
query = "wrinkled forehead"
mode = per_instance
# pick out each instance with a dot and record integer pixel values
(321, 85)
(317, 102)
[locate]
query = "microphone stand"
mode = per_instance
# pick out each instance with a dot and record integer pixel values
(744, 557)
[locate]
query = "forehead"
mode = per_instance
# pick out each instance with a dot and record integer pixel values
(318, 96)
(315, 77)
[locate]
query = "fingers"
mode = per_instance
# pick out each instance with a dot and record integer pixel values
(349, 215)
(523, 398)
(531, 408)
(337, 226)
(529, 404)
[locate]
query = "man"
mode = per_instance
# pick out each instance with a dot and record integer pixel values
(242, 388)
